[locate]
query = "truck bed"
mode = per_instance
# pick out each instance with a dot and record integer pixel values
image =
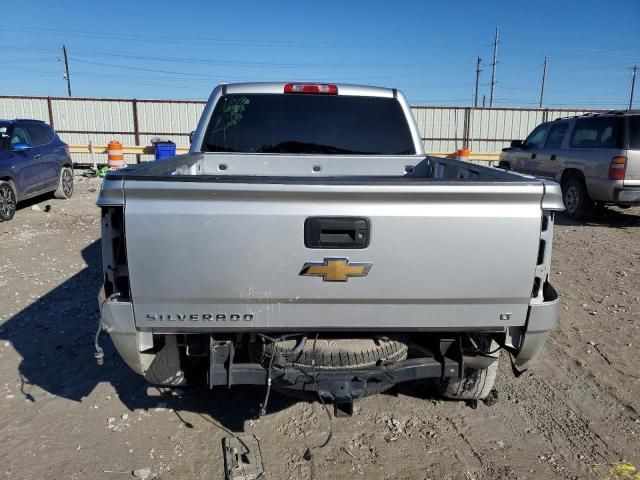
(221, 167)
(215, 242)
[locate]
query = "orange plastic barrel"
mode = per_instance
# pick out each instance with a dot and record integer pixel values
(115, 158)
(463, 154)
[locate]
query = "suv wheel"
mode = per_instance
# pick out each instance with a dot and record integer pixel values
(577, 202)
(7, 201)
(65, 184)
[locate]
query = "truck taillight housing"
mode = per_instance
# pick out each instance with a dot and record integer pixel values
(618, 168)
(321, 88)
(114, 252)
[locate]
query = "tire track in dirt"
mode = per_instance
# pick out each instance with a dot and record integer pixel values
(582, 422)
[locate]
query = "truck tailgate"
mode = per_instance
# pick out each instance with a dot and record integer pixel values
(208, 256)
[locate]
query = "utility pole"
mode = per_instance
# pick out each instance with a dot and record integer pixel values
(633, 86)
(493, 67)
(66, 69)
(475, 101)
(484, 101)
(544, 77)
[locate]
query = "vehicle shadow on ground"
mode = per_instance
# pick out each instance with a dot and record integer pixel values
(607, 217)
(46, 198)
(54, 338)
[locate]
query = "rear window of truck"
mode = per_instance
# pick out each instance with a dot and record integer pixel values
(308, 124)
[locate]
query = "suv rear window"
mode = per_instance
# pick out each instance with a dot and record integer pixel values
(40, 134)
(634, 132)
(313, 124)
(605, 132)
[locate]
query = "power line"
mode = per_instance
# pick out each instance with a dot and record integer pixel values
(184, 78)
(191, 40)
(575, 103)
(236, 63)
(150, 70)
(190, 75)
(606, 69)
(493, 67)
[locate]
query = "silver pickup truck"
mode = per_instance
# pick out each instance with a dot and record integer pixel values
(307, 243)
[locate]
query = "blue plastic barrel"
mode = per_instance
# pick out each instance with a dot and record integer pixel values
(165, 150)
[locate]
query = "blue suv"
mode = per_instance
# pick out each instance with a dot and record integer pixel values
(33, 161)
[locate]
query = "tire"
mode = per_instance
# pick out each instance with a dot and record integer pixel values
(165, 370)
(474, 384)
(8, 201)
(577, 203)
(335, 354)
(65, 184)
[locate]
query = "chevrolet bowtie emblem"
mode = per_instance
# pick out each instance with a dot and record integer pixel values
(335, 269)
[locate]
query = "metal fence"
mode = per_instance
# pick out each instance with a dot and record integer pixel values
(134, 122)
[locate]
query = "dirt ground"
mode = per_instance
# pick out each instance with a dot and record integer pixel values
(576, 415)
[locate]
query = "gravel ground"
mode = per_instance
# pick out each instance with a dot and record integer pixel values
(576, 415)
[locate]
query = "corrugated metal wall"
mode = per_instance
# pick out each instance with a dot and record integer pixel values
(167, 119)
(136, 122)
(442, 129)
(482, 130)
(492, 129)
(18, 107)
(96, 121)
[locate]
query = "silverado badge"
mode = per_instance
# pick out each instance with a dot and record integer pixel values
(335, 269)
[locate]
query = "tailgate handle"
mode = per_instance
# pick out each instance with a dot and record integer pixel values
(336, 232)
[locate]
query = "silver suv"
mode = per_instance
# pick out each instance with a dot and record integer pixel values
(596, 159)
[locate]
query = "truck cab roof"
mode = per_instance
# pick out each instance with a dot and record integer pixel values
(279, 87)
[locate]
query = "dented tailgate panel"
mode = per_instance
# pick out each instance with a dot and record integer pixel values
(206, 256)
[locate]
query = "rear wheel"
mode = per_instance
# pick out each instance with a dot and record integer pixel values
(474, 384)
(577, 203)
(65, 184)
(7, 201)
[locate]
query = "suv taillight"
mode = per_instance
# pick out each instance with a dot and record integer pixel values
(311, 88)
(618, 168)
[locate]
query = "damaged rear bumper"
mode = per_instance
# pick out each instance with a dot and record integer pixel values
(542, 318)
(137, 348)
(118, 321)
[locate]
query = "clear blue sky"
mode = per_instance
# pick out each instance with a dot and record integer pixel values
(169, 49)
